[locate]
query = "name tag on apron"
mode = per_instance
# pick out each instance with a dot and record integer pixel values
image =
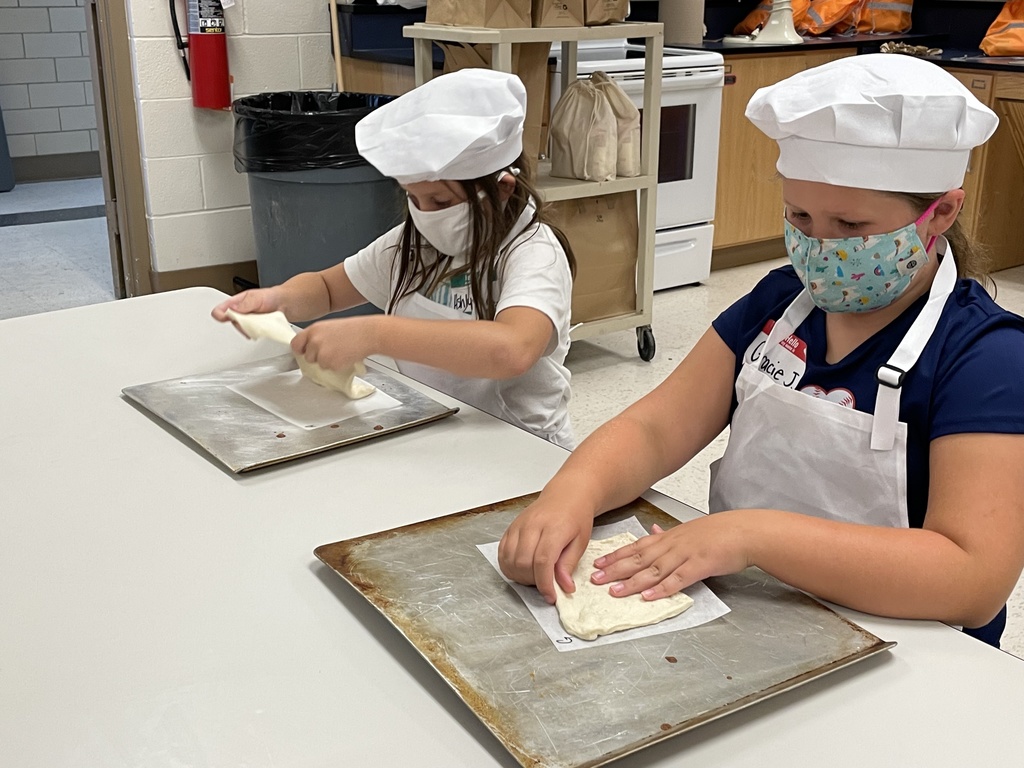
(785, 364)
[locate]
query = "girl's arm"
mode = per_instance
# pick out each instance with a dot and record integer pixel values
(619, 461)
(502, 348)
(305, 296)
(960, 568)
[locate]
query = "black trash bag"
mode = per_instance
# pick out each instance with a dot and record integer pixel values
(300, 130)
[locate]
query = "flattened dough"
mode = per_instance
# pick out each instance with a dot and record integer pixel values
(275, 326)
(591, 611)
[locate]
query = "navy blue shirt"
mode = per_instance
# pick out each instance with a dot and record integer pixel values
(969, 378)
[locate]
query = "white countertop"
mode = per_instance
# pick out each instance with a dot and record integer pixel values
(157, 611)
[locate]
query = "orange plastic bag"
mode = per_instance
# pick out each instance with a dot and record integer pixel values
(759, 16)
(823, 15)
(1006, 35)
(877, 17)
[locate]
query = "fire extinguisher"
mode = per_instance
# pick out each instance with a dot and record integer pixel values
(206, 64)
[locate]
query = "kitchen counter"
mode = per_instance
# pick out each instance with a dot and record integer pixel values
(976, 59)
(863, 44)
(952, 57)
(159, 612)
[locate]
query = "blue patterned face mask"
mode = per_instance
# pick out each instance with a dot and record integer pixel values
(857, 274)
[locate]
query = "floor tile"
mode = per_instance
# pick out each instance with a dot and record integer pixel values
(16, 303)
(52, 195)
(55, 265)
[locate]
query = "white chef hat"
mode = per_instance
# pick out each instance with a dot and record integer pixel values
(877, 121)
(462, 125)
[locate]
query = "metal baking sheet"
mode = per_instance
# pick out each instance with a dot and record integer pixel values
(596, 705)
(242, 436)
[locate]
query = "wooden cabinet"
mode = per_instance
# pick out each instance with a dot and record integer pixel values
(981, 85)
(1000, 221)
(748, 207)
(994, 184)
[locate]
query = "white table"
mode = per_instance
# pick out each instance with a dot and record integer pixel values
(156, 611)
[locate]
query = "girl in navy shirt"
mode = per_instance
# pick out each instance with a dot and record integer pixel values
(873, 389)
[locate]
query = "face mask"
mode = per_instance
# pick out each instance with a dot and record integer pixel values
(858, 274)
(447, 229)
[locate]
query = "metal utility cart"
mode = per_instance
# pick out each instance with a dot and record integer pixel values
(554, 189)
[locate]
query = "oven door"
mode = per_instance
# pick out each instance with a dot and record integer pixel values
(691, 113)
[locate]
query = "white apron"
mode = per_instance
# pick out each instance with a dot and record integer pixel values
(488, 395)
(849, 465)
(470, 390)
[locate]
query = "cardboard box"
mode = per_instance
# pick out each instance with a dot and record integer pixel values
(597, 12)
(558, 13)
(530, 63)
(500, 14)
(603, 232)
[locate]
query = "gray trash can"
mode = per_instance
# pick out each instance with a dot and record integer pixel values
(315, 200)
(6, 170)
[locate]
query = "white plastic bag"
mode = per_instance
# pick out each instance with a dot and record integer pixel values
(583, 134)
(627, 124)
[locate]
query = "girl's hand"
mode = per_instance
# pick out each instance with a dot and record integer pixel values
(666, 562)
(340, 343)
(545, 543)
(256, 301)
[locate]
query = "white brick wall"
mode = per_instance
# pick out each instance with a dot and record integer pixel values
(45, 77)
(197, 204)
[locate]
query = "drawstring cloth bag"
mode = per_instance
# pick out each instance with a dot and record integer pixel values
(584, 136)
(627, 125)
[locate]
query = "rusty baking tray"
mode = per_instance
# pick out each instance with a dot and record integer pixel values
(595, 705)
(241, 436)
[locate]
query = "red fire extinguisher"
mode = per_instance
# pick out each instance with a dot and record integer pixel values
(206, 64)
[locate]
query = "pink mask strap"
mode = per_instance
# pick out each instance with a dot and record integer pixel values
(923, 216)
(929, 209)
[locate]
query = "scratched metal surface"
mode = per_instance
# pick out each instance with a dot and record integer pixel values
(589, 707)
(241, 436)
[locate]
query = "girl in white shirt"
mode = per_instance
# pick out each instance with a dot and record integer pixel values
(476, 287)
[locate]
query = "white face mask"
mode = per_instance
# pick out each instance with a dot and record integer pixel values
(448, 229)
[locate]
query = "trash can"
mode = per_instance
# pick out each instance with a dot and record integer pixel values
(6, 170)
(315, 200)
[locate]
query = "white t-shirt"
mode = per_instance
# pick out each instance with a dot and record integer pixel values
(534, 273)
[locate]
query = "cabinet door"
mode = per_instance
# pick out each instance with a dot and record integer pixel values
(999, 224)
(980, 84)
(748, 206)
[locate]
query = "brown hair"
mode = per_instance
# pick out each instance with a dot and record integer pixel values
(490, 224)
(972, 259)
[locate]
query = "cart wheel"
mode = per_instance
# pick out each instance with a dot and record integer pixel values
(645, 343)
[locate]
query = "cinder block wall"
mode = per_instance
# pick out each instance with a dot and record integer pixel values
(45, 80)
(198, 206)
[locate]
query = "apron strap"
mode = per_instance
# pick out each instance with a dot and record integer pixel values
(890, 375)
(795, 314)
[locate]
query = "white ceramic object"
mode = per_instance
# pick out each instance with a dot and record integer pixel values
(778, 30)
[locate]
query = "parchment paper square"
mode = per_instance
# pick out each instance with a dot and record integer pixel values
(706, 605)
(294, 398)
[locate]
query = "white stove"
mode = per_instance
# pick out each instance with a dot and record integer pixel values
(691, 110)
